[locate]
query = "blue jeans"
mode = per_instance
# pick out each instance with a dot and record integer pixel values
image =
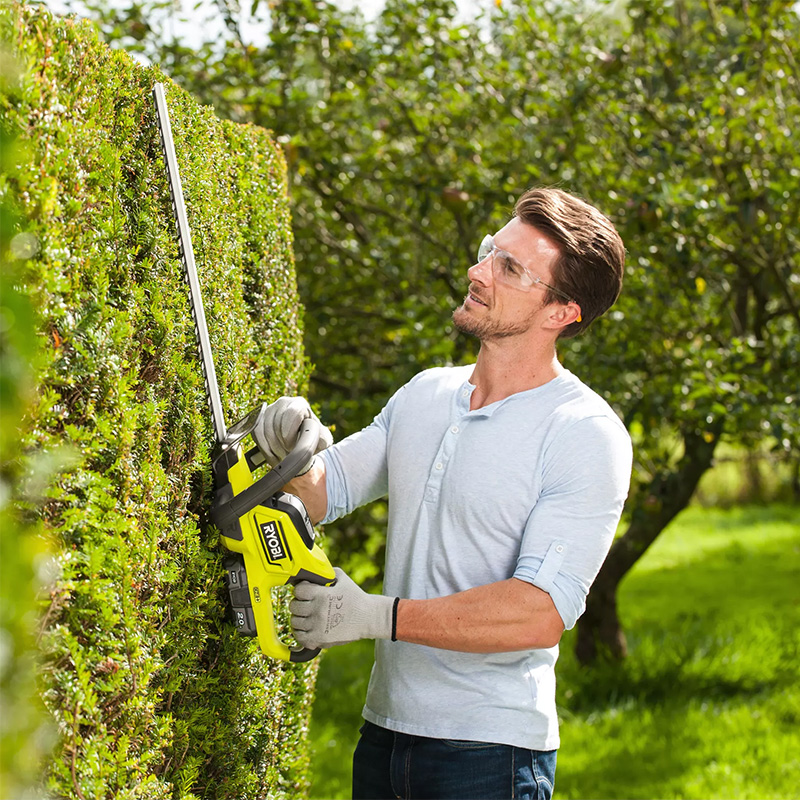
(389, 765)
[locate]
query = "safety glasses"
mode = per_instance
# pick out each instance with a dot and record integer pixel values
(506, 269)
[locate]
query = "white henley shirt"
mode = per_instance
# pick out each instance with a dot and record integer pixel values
(530, 487)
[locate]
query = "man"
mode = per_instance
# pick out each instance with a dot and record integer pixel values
(506, 480)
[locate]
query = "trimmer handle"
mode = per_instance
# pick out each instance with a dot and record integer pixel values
(303, 452)
(227, 511)
(253, 621)
(300, 656)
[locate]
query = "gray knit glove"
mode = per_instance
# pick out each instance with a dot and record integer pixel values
(280, 425)
(324, 616)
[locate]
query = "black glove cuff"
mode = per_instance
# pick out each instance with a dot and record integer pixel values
(394, 618)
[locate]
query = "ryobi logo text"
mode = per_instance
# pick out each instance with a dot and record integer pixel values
(272, 541)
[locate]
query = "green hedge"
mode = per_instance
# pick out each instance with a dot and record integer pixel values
(150, 691)
(23, 733)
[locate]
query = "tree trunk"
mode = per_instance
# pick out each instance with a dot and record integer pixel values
(600, 635)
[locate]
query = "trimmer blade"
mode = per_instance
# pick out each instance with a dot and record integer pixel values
(190, 269)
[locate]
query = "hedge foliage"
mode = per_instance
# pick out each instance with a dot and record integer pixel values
(23, 733)
(151, 692)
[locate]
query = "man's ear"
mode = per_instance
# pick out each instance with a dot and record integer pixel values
(563, 315)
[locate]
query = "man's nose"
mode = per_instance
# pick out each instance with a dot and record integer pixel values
(482, 271)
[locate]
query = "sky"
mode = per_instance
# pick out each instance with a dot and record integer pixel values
(197, 18)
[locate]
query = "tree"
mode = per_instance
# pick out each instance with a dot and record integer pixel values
(702, 104)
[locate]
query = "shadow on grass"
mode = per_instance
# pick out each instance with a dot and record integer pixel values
(626, 767)
(748, 516)
(721, 627)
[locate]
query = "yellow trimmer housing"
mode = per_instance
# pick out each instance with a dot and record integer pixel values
(268, 532)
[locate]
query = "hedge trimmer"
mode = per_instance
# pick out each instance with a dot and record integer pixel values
(268, 531)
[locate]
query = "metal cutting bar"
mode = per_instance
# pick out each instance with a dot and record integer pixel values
(190, 268)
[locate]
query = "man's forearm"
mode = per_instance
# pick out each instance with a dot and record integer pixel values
(311, 489)
(499, 617)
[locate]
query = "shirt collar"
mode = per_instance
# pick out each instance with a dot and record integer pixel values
(466, 389)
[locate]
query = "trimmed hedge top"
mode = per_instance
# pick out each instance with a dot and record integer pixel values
(153, 693)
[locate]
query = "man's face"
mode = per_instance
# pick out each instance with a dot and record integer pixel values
(493, 309)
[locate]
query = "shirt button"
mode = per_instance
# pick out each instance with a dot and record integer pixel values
(560, 549)
(454, 429)
(440, 465)
(465, 393)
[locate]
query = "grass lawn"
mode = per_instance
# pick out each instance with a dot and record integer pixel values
(707, 705)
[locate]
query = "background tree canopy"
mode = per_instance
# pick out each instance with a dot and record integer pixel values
(410, 137)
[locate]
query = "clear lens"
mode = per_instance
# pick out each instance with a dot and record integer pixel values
(506, 269)
(486, 247)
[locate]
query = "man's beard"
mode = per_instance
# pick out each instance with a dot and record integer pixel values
(486, 329)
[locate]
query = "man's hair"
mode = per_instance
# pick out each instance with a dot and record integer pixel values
(590, 266)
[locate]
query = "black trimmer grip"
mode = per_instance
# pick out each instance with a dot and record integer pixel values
(302, 453)
(303, 654)
(227, 513)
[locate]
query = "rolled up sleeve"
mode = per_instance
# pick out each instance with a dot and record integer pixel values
(568, 535)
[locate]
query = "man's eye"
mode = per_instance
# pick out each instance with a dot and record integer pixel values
(507, 264)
